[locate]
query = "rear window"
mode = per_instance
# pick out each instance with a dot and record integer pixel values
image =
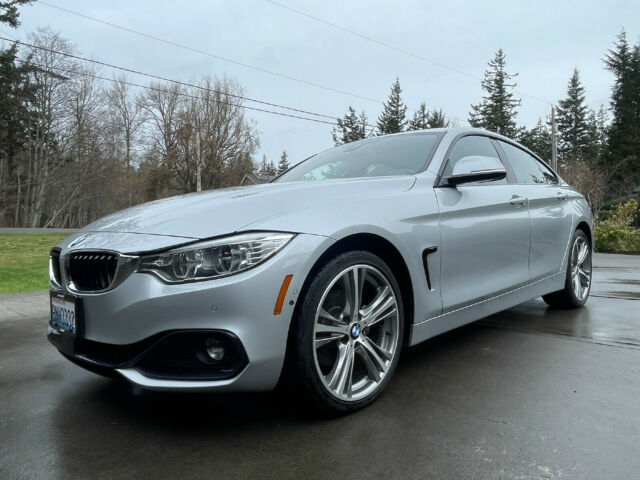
(390, 155)
(528, 169)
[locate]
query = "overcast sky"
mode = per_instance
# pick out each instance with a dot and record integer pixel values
(543, 40)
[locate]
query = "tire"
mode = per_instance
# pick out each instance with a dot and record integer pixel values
(344, 360)
(578, 279)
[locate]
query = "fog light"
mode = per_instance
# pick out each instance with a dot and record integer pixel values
(214, 349)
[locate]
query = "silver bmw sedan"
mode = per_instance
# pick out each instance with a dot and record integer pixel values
(324, 274)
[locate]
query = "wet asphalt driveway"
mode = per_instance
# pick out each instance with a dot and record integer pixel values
(528, 393)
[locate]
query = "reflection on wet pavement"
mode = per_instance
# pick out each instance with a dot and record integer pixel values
(613, 319)
(616, 276)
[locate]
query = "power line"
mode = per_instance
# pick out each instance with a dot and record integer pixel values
(393, 47)
(177, 82)
(158, 89)
(157, 77)
(225, 59)
(213, 55)
(164, 90)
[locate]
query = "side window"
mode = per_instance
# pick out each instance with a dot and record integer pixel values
(526, 168)
(468, 146)
(547, 173)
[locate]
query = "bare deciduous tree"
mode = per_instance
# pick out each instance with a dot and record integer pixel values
(590, 181)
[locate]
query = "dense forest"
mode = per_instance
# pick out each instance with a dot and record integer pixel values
(76, 145)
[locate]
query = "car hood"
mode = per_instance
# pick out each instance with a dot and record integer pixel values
(219, 212)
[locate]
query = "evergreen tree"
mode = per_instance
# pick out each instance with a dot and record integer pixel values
(538, 140)
(350, 128)
(623, 143)
(9, 12)
(393, 118)
(423, 119)
(575, 121)
(420, 120)
(437, 119)
(267, 167)
(283, 164)
(363, 122)
(601, 129)
(16, 92)
(498, 108)
(263, 165)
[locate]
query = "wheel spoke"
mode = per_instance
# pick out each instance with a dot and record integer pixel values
(353, 281)
(585, 279)
(577, 286)
(340, 377)
(321, 342)
(583, 252)
(341, 330)
(378, 316)
(346, 377)
(372, 371)
(383, 307)
(322, 313)
(374, 364)
(574, 271)
(575, 254)
(379, 350)
(382, 295)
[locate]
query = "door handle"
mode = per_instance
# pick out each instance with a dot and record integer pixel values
(518, 200)
(562, 196)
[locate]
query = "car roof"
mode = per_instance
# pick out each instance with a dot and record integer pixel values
(455, 131)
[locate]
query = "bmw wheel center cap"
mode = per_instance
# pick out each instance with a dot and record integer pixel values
(355, 330)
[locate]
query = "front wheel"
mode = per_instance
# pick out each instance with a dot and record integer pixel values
(348, 335)
(578, 281)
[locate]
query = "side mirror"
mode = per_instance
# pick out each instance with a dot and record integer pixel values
(476, 169)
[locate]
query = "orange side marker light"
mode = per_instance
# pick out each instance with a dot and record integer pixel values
(282, 294)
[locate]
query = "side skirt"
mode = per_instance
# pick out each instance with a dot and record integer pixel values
(443, 323)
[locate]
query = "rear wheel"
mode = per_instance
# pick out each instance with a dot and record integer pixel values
(348, 335)
(578, 281)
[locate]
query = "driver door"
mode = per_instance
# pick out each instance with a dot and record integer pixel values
(485, 232)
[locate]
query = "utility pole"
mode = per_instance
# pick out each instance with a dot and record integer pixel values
(554, 147)
(198, 164)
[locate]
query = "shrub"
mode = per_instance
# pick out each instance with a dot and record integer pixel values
(616, 234)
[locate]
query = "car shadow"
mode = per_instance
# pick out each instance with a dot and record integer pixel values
(217, 412)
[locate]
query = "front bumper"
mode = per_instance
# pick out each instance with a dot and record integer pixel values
(138, 314)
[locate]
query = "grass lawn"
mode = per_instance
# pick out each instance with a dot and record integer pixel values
(24, 260)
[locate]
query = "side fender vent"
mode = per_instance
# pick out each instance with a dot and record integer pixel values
(425, 262)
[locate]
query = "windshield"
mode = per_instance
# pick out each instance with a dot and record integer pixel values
(374, 157)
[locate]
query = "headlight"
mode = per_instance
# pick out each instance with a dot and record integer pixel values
(214, 258)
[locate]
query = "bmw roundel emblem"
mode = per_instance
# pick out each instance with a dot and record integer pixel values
(79, 240)
(355, 330)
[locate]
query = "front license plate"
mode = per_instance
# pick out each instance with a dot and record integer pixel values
(63, 315)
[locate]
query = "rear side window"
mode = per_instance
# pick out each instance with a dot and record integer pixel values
(469, 146)
(528, 170)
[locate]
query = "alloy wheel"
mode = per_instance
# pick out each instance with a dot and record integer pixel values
(581, 268)
(356, 332)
